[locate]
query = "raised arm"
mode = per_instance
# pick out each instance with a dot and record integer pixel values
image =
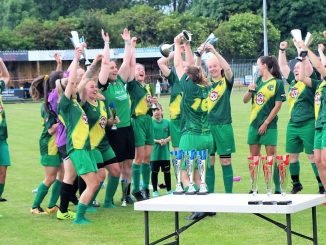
(69, 91)
(88, 75)
(132, 63)
(125, 66)
(189, 57)
(282, 61)
(178, 57)
(321, 49)
(58, 59)
(4, 72)
(163, 64)
(223, 63)
(314, 59)
(104, 72)
(302, 73)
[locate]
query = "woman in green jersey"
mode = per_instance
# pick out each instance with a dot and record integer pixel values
(266, 96)
(301, 126)
(4, 149)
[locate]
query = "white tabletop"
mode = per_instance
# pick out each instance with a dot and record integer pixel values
(229, 203)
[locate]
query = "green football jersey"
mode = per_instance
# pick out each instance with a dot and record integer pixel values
(194, 107)
(219, 106)
(263, 101)
(176, 96)
(140, 97)
(301, 100)
(161, 131)
(47, 141)
(320, 105)
(3, 123)
(97, 120)
(116, 92)
(75, 120)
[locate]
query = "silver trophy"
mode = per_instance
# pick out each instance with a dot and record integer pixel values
(176, 161)
(189, 157)
(267, 163)
(201, 162)
(296, 34)
(253, 164)
(282, 162)
(78, 42)
(166, 49)
(211, 39)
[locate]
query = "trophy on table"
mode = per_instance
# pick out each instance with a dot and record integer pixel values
(267, 163)
(166, 49)
(176, 161)
(78, 42)
(296, 34)
(253, 164)
(282, 162)
(113, 113)
(189, 157)
(201, 157)
(211, 39)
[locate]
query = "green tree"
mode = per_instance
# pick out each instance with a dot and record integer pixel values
(242, 36)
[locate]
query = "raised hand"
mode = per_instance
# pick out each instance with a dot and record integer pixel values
(284, 45)
(105, 36)
(125, 35)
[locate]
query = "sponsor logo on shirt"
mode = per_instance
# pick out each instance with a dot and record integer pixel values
(270, 87)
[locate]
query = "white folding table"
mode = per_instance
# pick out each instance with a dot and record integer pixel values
(231, 203)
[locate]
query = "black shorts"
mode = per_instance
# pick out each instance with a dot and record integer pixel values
(123, 143)
(111, 161)
(62, 150)
(163, 164)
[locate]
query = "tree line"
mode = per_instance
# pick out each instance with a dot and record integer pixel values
(41, 24)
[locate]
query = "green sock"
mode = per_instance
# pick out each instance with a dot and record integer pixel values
(135, 177)
(2, 186)
(80, 215)
(42, 190)
(210, 178)
(55, 193)
(227, 177)
(276, 179)
(96, 193)
(146, 173)
(111, 188)
(295, 168)
(315, 169)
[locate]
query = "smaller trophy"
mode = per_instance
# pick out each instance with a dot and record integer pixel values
(267, 162)
(176, 161)
(211, 39)
(201, 157)
(78, 42)
(113, 113)
(282, 162)
(189, 157)
(296, 34)
(253, 163)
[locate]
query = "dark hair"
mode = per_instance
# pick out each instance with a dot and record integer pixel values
(49, 85)
(196, 75)
(272, 65)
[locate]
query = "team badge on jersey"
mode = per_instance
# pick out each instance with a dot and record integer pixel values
(213, 96)
(102, 122)
(85, 119)
(317, 98)
(294, 92)
(260, 99)
(148, 100)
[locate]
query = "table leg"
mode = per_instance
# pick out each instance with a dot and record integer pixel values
(146, 228)
(314, 226)
(176, 220)
(288, 229)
